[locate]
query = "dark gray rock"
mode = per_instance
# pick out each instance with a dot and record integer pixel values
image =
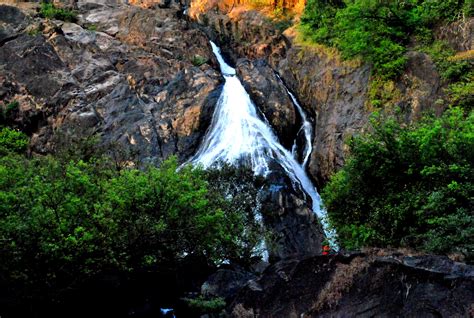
(131, 79)
(226, 282)
(270, 96)
(421, 86)
(34, 64)
(334, 95)
(361, 286)
(12, 21)
(295, 229)
(459, 34)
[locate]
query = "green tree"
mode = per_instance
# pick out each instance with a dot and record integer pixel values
(62, 223)
(318, 19)
(378, 31)
(239, 189)
(12, 141)
(408, 185)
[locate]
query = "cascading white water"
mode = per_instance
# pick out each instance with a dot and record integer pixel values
(237, 134)
(305, 127)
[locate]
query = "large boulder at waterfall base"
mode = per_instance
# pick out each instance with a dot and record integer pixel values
(378, 283)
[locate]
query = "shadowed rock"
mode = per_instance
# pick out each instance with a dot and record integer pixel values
(379, 283)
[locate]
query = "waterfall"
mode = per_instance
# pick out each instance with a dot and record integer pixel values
(238, 135)
(305, 128)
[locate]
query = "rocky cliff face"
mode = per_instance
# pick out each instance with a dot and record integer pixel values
(132, 75)
(333, 92)
(146, 81)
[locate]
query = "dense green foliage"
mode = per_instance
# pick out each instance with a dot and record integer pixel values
(441, 55)
(458, 72)
(206, 306)
(12, 141)
(378, 31)
(462, 92)
(408, 186)
(198, 60)
(64, 221)
(48, 10)
(241, 185)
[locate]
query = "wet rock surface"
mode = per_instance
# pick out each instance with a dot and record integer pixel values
(295, 229)
(270, 96)
(124, 72)
(378, 283)
(334, 93)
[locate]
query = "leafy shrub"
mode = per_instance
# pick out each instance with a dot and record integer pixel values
(12, 141)
(49, 11)
(64, 222)
(435, 11)
(203, 305)
(457, 70)
(468, 8)
(449, 69)
(318, 20)
(382, 93)
(242, 186)
(462, 92)
(377, 31)
(198, 60)
(408, 186)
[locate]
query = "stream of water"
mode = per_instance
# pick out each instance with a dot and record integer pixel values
(238, 135)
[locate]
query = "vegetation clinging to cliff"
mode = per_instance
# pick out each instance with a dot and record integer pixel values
(50, 11)
(377, 31)
(408, 186)
(12, 141)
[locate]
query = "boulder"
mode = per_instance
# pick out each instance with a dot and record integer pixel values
(295, 231)
(12, 22)
(376, 283)
(226, 282)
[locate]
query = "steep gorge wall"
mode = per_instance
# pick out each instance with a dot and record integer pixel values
(333, 92)
(131, 78)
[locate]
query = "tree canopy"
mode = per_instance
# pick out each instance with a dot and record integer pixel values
(378, 31)
(63, 221)
(408, 185)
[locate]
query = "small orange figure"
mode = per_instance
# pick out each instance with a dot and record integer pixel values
(326, 249)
